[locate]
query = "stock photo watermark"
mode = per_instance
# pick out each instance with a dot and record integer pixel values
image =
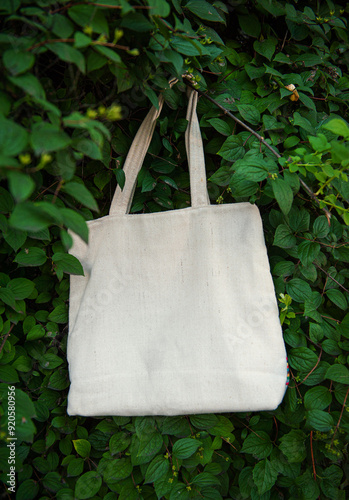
(11, 439)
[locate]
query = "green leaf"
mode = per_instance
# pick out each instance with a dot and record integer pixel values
(59, 314)
(298, 289)
(75, 222)
(317, 398)
(116, 469)
(204, 421)
(185, 448)
(232, 149)
(108, 53)
(264, 476)
(68, 263)
(29, 217)
(220, 125)
(249, 113)
(266, 47)
(338, 373)
(17, 62)
(7, 297)
(222, 176)
(88, 485)
(81, 40)
(338, 298)
(307, 101)
(62, 26)
(304, 123)
(8, 374)
(250, 25)
(156, 469)
(205, 479)
(75, 467)
(15, 238)
(28, 490)
(299, 220)
(13, 138)
(338, 127)
(204, 10)
(284, 237)
(50, 361)
(293, 447)
(25, 411)
(47, 137)
(321, 227)
(308, 252)
(148, 183)
(21, 288)
(252, 169)
(81, 193)
(32, 256)
(283, 194)
(69, 54)
(82, 447)
(254, 72)
(319, 420)
(29, 84)
(135, 21)
(258, 444)
(21, 185)
(186, 46)
(159, 8)
(175, 59)
(119, 442)
(152, 96)
(35, 333)
(88, 15)
(302, 359)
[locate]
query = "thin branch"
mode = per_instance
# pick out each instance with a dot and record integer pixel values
(72, 40)
(72, 4)
(6, 337)
(259, 137)
(312, 455)
(340, 417)
(331, 277)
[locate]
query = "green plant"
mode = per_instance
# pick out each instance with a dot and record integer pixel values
(77, 79)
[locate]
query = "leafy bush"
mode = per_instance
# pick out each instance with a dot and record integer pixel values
(78, 77)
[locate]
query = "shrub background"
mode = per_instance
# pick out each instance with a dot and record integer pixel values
(77, 79)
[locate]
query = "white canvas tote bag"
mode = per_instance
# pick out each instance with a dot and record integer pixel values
(176, 313)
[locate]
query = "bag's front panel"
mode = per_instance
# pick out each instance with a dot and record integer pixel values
(177, 315)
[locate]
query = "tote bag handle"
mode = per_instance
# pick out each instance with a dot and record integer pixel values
(122, 199)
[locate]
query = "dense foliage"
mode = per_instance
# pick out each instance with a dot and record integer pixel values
(77, 79)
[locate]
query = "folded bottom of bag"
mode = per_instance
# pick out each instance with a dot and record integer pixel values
(169, 393)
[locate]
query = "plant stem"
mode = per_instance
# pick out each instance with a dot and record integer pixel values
(260, 138)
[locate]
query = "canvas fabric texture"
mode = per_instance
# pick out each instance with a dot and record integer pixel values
(176, 313)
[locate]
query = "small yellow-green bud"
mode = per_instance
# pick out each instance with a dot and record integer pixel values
(46, 158)
(133, 52)
(88, 30)
(117, 35)
(91, 113)
(114, 113)
(25, 159)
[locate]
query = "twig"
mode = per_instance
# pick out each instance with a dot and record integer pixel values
(331, 277)
(259, 137)
(59, 187)
(72, 40)
(72, 4)
(6, 337)
(312, 455)
(340, 417)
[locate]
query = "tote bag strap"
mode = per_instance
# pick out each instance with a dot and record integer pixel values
(121, 202)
